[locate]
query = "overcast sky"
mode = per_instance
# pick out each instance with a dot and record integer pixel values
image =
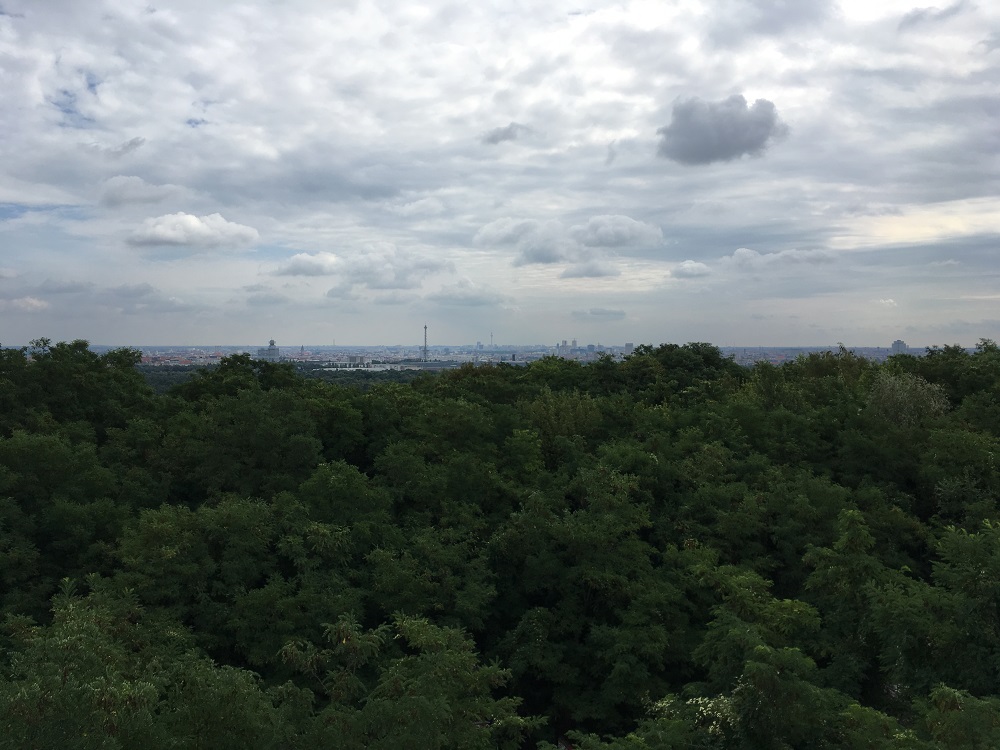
(796, 172)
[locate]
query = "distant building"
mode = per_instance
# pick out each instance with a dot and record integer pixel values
(899, 347)
(270, 354)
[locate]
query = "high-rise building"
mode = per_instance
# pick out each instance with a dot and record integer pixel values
(270, 354)
(899, 347)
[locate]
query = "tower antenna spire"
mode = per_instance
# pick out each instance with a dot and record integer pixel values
(426, 359)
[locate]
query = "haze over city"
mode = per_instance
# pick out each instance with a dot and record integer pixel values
(740, 172)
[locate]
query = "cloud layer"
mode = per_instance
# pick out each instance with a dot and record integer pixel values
(759, 171)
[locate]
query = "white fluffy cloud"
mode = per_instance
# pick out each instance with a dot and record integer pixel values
(311, 264)
(746, 259)
(374, 266)
(690, 269)
(185, 230)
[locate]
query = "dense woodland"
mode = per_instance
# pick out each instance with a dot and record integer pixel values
(670, 551)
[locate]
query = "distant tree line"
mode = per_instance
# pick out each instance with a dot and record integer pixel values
(161, 378)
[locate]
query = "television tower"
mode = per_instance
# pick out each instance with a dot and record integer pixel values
(425, 343)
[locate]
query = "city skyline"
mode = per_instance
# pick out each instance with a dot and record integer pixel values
(744, 171)
(565, 348)
(897, 346)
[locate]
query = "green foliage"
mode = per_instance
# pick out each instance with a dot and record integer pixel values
(235, 374)
(904, 400)
(106, 675)
(50, 385)
(253, 443)
(956, 719)
(666, 551)
(408, 683)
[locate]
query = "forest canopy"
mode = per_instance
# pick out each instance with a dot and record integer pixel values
(668, 551)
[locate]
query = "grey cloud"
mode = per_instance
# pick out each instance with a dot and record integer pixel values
(590, 270)
(316, 172)
(599, 313)
(121, 190)
(143, 298)
(550, 242)
(973, 329)
(543, 66)
(127, 147)
(430, 206)
(780, 15)
(766, 18)
(185, 230)
(540, 250)
(466, 294)
(63, 287)
(505, 231)
(869, 209)
(992, 42)
(537, 243)
(343, 292)
(509, 132)
(132, 291)
(122, 149)
(264, 299)
(395, 298)
(656, 50)
(616, 231)
(703, 132)
(690, 269)
(920, 16)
